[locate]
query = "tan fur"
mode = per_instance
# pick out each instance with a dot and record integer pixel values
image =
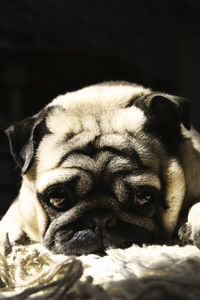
(174, 178)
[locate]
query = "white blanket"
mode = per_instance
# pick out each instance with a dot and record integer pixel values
(145, 273)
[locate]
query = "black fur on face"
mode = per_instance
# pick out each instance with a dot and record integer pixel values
(95, 229)
(84, 236)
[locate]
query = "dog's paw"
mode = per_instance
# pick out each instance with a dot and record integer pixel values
(12, 231)
(190, 234)
(8, 240)
(190, 231)
(185, 233)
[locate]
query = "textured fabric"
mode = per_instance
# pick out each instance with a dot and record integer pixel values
(153, 272)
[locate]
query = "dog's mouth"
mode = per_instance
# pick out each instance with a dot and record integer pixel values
(76, 243)
(76, 239)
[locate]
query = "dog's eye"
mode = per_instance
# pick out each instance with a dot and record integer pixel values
(142, 196)
(60, 196)
(145, 196)
(57, 202)
(146, 199)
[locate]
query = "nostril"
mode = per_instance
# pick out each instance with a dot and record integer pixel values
(101, 219)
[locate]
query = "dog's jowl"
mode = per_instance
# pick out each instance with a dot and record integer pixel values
(106, 166)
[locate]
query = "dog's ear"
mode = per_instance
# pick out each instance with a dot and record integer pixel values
(170, 111)
(21, 140)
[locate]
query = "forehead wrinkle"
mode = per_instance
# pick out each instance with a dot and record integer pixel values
(145, 152)
(97, 142)
(117, 164)
(55, 176)
(114, 140)
(52, 147)
(80, 161)
(59, 146)
(96, 164)
(147, 178)
(62, 121)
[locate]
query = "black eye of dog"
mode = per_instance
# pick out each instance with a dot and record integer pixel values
(145, 195)
(141, 196)
(57, 202)
(60, 200)
(144, 199)
(57, 199)
(60, 196)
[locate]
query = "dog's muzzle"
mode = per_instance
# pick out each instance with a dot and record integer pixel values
(101, 223)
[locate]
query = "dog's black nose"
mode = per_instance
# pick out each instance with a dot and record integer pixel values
(100, 219)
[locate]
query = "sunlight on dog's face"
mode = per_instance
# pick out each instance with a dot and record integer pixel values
(108, 178)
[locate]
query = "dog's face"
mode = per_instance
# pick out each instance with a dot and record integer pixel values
(101, 164)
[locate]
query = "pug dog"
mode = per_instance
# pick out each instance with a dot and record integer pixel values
(108, 165)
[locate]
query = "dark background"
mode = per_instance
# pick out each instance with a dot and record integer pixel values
(50, 47)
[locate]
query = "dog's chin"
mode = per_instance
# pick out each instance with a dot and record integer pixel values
(71, 242)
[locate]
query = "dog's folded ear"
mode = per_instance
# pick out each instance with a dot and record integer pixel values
(21, 140)
(170, 111)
